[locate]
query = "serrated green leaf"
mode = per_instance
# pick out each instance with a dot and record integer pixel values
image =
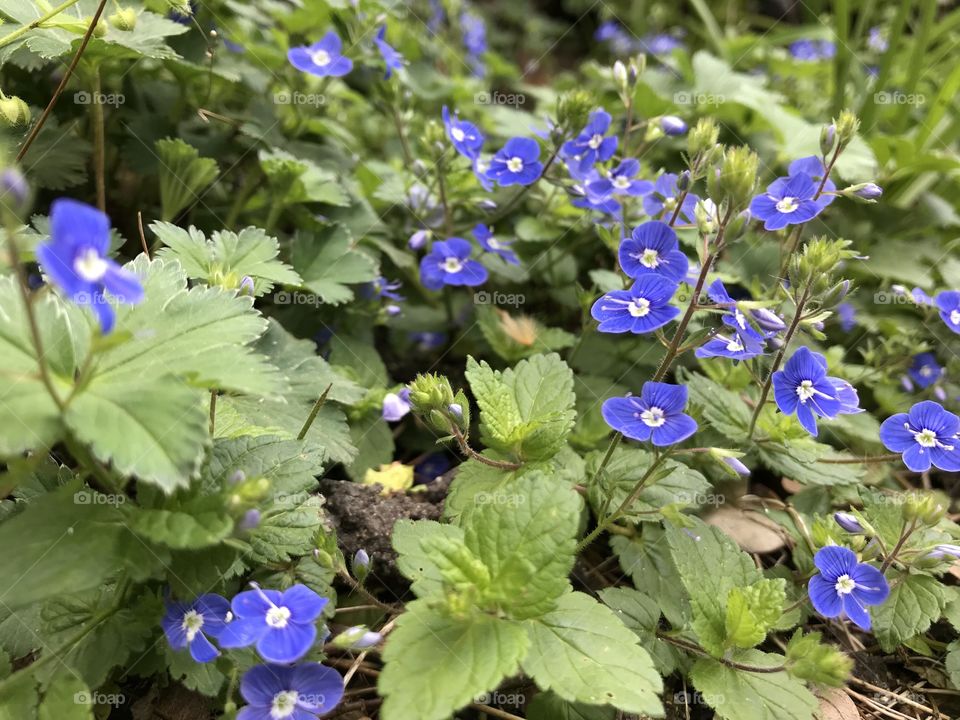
(915, 602)
(641, 613)
(328, 262)
(460, 569)
(550, 706)
(647, 560)
(414, 561)
(740, 694)
(289, 533)
(799, 460)
(583, 653)
(67, 698)
(467, 656)
(182, 530)
(204, 678)
(291, 466)
(298, 180)
(183, 175)
(753, 610)
(723, 408)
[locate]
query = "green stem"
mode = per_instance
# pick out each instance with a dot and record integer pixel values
(869, 107)
(841, 61)
(905, 533)
(313, 413)
(99, 145)
(34, 24)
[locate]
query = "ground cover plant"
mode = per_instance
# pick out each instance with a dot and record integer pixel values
(432, 359)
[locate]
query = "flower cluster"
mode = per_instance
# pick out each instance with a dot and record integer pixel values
(804, 388)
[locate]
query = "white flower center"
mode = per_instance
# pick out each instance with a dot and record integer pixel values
(926, 371)
(735, 345)
(805, 390)
(515, 164)
(494, 243)
(787, 205)
(653, 417)
(639, 307)
(452, 265)
(650, 258)
(191, 624)
(277, 617)
(621, 182)
(926, 438)
(955, 317)
(457, 134)
(320, 57)
(669, 203)
(596, 141)
(284, 704)
(845, 585)
(90, 266)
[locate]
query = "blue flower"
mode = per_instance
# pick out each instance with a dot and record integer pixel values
(428, 340)
(466, 138)
(592, 144)
(844, 587)
(765, 320)
(391, 57)
(876, 41)
(387, 289)
(516, 163)
(813, 166)
(663, 200)
(926, 436)
(449, 263)
(480, 167)
(742, 343)
(788, 201)
(847, 316)
(653, 248)
(672, 125)
(849, 522)
(324, 58)
(396, 405)
(419, 239)
(281, 624)
(811, 50)
(187, 625)
(620, 181)
(949, 303)
(925, 370)
(621, 42)
(585, 198)
(488, 242)
(804, 388)
(641, 309)
(659, 44)
(475, 41)
(300, 692)
(75, 261)
(657, 415)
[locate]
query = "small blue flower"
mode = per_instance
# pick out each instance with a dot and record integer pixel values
(475, 41)
(925, 371)
(621, 42)
(449, 263)
(926, 436)
(187, 625)
(768, 322)
(488, 242)
(813, 166)
(876, 41)
(516, 163)
(844, 587)
(324, 58)
(75, 261)
(672, 125)
(847, 315)
(741, 343)
(466, 138)
(281, 624)
(662, 202)
(391, 57)
(419, 239)
(804, 388)
(480, 168)
(641, 309)
(869, 191)
(396, 405)
(812, 50)
(788, 201)
(592, 144)
(659, 44)
(657, 415)
(949, 303)
(428, 340)
(387, 289)
(299, 692)
(620, 181)
(653, 248)
(584, 197)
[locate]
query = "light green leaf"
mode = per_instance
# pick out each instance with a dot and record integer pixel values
(183, 175)
(583, 653)
(915, 602)
(740, 694)
(550, 706)
(182, 530)
(414, 561)
(723, 408)
(299, 180)
(467, 656)
(799, 460)
(291, 466)
(641, 613)
(67, 698)
(328, 262)
(289, 533)
(753, 610)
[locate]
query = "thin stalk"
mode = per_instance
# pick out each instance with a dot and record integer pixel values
(905, 533)
(841, 61)
(442, 188)
(99, 158)
(313, 413)
(213, 411)
(34, 24)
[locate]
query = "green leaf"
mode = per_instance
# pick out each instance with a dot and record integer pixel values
(460, 569)
(182, 530)
(952, 663)
(287, 534)
(291, 466)
(467, 656)
(799, 460)
(740, 694)
(414, 561)
(810, 659)
(641, 613)
(724, 409)
(526, 411)
(753, 610)
(67, 698)
(647, 560)
(550, 706)
(227, 257)
(583, 653)
(298, 180)
(328, 262)
(526, 535)
(915, 602)
(183, 175)
(204, 678)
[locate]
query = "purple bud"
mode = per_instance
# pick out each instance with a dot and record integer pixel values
(906, 383)
(396, 405)
(672, 125)
(238, 477)
(941, 551)
(939, 393)
(683, 180)
(869, 191)
(246, 286)
(487, 205)
(393, 310)
(250, 520)
(768, 320)
(14, 191)
(418, 239)
(738, 467)
(361, 559)
(456, 409)
(848, 522)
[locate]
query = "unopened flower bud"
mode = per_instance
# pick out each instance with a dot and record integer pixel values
(419, 239)
(871, 192)
(357, 638)
(849, 522)
(768, 320)
(124, 19)
(944, 550)
(683, 180)
(847, 125)
(246, 287)
(828, 139)
(737, 466)
(672, 125)
(620, 74)
(14, 192)
(703, 137)
(250, 520)
(14, 111)
(361, 565)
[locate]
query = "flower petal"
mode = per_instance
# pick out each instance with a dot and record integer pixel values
(320, 687)
(304, 604)
(856, 612)
(894, 434)
(824, 597)
(260, 684)
(834, 561)
(872, 587)
(288, 644)
(202, 650)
